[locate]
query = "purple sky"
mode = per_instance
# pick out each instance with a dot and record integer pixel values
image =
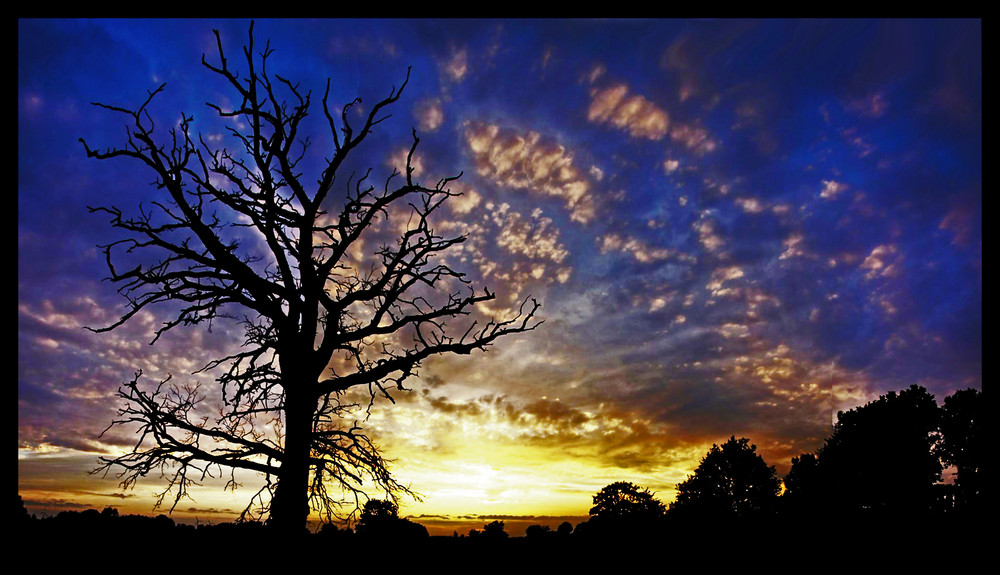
(734, 227)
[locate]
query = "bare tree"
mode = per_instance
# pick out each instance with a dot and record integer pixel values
(317, 324)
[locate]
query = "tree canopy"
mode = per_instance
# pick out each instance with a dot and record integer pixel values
(732, 481)
(963, 442)
(380, 518)
(881, 454)
(879, 458)
(802, 483)
(623, 502)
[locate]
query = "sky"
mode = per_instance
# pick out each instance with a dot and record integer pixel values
(734, 227)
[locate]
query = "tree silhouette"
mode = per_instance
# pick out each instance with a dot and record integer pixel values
(802, 485)
(495, 530)
(802, 476)
(732, 481)
(538, 531)
(380, 518)
(242, 234)
(376, 510)
(880, 457)
(491, 531)
(624, 505)
(963, 443)
(22, 516)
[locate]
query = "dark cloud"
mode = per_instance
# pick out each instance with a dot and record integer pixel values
(210, 511)
(110, 495)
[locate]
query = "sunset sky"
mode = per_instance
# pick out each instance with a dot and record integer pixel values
(734, 228)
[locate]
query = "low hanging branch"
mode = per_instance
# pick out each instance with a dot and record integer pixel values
(311, 316)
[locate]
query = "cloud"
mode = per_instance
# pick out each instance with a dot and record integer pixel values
(731, 330)
(596, 73)
(32, 103)
(782, 321)
(707, 234)
(683, 57)
(536, 238)
(632, 113)
(793, 247)
(955, 101)
(720, 277)
(527, 161)
(871, 105)
(883, 261)
(657, 303)
(398, 162)
(750, 205)
(639, 250)
(798, 382)
(600, 437)
(862, 145)
(429, 114)
(641, 118)
(456, 66)
(464, 203)
(962, 222)
(506, 246)
(832, 189)
(694, 137)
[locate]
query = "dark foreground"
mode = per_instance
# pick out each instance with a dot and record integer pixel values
(157, 544)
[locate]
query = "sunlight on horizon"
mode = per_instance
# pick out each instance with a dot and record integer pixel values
(471, 479)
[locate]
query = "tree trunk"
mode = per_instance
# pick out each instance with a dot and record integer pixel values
(290, 504)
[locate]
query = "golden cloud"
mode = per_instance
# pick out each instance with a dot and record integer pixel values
(527, 161)
(632, 113)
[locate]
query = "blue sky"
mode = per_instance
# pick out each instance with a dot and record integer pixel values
(734, 227)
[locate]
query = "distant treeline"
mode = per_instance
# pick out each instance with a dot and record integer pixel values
(876, 480)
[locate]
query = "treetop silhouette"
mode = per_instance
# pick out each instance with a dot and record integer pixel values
(623, 502)
(732, 481)
(963, 444)
(880, 458)
(380, 518)
(880, 455)
(316, 323)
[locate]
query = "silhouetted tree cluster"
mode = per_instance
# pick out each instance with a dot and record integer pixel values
(875, 477)
(545, 532)
(882, 460)
(83, 526)
(493, 530)
(538, 531)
